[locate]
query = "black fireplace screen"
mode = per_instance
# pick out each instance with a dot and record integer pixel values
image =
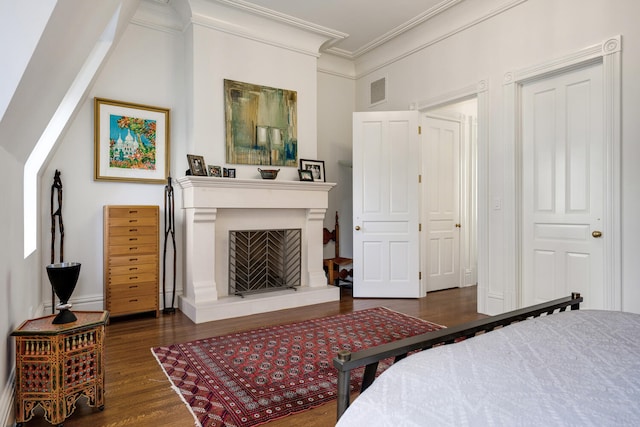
(264, 260)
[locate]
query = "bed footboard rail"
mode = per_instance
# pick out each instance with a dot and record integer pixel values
(346, 361)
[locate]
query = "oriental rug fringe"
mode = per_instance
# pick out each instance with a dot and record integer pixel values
(249, 378)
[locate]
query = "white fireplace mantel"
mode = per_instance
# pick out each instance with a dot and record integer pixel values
(215, 205)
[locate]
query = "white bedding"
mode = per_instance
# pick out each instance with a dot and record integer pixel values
(577, 368)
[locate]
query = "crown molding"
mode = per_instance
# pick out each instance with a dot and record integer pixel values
(409, 52)
(157, 15)
(412, 23)
(333, 36)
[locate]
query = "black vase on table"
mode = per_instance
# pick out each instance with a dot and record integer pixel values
(63, 277)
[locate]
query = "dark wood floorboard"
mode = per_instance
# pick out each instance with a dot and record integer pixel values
(139, 394)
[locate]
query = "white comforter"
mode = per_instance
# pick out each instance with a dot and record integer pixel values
(578, 368)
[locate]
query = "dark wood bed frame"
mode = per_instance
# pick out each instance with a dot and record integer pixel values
(346, 361)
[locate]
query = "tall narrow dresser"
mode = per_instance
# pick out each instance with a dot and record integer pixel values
(131, 259)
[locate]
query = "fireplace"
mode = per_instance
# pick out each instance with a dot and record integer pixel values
(213, 207)
(263, 261)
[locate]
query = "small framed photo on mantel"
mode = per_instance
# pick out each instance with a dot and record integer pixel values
(197, 166)
(315, 166)
(305, 175)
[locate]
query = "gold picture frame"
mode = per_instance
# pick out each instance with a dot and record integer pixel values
(131, 142)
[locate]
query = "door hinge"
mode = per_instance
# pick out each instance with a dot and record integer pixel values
(420, 179)
(420, 227)
(419, 275)
(419, 130)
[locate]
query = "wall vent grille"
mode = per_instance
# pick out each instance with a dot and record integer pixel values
(378, 91)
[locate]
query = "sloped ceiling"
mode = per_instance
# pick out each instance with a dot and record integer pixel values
(68, 37)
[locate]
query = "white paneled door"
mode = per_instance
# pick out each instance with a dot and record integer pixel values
(441, 203)
(562, 187)
(386, 242)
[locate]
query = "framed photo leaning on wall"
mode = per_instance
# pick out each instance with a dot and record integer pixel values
(315, 166)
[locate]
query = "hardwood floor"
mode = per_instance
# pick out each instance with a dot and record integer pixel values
(139, 394)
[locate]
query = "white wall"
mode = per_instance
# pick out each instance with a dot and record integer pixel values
(336, 103)
(443, 60)
(218, 56)
(18, 276)
(146, 68)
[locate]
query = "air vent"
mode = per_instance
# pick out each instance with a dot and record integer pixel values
(378, 91)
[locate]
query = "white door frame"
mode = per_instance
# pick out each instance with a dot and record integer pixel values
(481, 92)
(609, 53)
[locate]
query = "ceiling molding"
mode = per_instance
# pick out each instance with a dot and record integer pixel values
(362, 72)
(412, 23)
(334, 36)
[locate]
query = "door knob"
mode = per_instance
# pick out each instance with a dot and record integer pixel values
(458, 226)
(597, 234)
(357, 227)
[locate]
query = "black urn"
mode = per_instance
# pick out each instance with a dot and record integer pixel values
(63, 277)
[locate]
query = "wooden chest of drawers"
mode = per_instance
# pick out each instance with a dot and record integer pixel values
(131, 259)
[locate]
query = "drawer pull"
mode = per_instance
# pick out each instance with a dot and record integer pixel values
(133, 277)
(133, 220)
(133, 300)
(133, 230)
(133, 259)
(133, 268)
(133, 248)
(133, 239)
(133, 212)
(133, 286)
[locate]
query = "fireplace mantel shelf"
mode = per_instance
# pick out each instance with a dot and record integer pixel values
(269, 184)
(202, 192)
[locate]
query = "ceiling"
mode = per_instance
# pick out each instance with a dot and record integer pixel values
(368, 23)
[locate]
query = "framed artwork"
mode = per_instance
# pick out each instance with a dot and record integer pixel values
(231, 173)
(261, 124)
(315, 166)
(196, 165)
(214, 170)
(305, 175)
(131, 142)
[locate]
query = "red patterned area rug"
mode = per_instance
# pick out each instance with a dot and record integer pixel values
(249, 378)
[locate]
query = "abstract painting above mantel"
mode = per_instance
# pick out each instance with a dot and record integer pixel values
(261, 124)
(131, 142)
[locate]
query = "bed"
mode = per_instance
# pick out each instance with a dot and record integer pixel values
(575, 367)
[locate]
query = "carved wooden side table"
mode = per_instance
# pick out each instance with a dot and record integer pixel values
(57, 364)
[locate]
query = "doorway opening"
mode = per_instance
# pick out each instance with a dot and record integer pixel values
(448, 205)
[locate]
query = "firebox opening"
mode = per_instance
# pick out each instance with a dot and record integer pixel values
(264, 260)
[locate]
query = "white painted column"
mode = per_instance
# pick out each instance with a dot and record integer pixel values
(316, 276)
(200, 253)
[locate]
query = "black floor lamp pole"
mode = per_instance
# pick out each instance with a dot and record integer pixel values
(169, 229)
